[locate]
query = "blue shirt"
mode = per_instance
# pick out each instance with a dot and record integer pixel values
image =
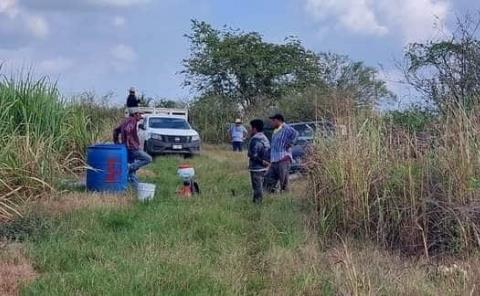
(237, 133)
(282, 140)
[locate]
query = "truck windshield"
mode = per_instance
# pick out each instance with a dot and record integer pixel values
(170, 123)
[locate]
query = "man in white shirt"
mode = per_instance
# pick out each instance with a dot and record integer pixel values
(237, 134)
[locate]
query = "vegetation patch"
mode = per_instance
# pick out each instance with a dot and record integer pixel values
(15, 269)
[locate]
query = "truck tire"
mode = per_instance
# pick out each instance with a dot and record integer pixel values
(145, 148)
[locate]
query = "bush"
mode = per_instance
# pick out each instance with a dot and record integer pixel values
(388, 185)
(415, 119)
(211, 116)
(42, 138)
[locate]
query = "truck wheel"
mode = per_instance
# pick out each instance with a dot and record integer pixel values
(145, 148)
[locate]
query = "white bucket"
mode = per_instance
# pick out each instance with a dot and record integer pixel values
(145, 191)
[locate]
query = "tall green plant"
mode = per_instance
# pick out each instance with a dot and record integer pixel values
(42, 138)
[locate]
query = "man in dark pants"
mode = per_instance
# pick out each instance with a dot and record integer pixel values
(237, 134)
(259, 156)
(137, 158)
(283, 138)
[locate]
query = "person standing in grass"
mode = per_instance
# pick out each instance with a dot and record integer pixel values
(281, 158)
(237, 134)
(259, 157)
(137, 158)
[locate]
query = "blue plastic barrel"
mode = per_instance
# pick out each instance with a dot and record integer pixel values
(107, 170)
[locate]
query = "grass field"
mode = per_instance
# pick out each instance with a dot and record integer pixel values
(218, 244)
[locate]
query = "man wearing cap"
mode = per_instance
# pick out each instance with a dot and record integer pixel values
(129, 137)
(132, 100)
(283, 138)
(237, 134)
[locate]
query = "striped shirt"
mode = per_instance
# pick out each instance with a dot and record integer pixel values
(282, 140)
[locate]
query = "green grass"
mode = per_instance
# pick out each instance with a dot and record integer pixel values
(217, 244)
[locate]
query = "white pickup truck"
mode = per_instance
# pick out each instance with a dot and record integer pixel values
(167, 131)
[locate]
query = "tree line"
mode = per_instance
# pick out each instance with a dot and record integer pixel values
(239, 74)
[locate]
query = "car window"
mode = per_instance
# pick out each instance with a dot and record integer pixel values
(170, 123)
(304, 131)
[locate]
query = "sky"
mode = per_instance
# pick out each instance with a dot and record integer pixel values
(107, 46)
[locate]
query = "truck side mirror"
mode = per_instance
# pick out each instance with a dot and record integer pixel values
(141, 126)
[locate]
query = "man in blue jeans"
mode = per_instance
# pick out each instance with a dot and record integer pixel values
(137, 158)
(237, 134)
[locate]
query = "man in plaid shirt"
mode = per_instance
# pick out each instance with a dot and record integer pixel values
(136, 157)
(284, 136)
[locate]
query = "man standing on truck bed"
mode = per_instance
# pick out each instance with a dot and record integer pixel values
(136, 157)
(132, 100)
(281, 158)
(237, 134)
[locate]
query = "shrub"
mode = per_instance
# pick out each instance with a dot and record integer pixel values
(43, 138)
(415, 119)
(405, 192)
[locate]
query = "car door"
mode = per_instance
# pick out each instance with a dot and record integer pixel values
(143, 133)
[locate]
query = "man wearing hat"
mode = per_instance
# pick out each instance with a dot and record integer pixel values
(132, 100)
(237, 134)
(283, 138)
(137, 158)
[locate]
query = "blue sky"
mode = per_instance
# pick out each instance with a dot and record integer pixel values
(110, 45)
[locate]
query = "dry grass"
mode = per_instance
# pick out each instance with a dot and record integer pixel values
(351, 268)
(386, 185)
(15, 269)
(366, 270)
(69, 202)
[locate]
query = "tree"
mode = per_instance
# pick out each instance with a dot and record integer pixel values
(353, 79)
(167, 103)
(246, 69)
(238, 74)
(448, 71)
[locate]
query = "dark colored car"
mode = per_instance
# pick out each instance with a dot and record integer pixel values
(307, 132)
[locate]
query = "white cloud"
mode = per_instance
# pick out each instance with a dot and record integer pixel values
(34, 24)
(124, 53)
(119, 21)
(416, 18)
(37, 25)
(412, 19)
(9, 7)
(355, 15)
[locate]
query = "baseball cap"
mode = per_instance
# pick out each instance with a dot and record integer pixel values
(238, 120)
